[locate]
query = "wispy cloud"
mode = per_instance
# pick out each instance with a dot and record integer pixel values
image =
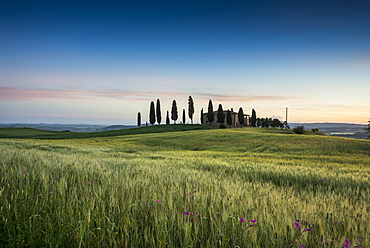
(21, 94)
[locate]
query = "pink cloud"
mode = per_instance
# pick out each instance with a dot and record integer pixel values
(21, 94)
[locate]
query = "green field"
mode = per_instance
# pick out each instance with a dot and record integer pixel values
(182, 186)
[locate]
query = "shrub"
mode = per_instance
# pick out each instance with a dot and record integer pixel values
(222, 126)
(299, 130)
(315, 130)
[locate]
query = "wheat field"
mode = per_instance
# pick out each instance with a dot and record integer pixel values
(198, 188)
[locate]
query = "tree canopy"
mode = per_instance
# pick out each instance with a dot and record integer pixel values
(210, 115)
(152, 113)
(229, 119)
(201, 117)
(253, 118)
(174, 113)
(158, 112)
(167, 118)
(241, 117)
(191, 109)
(220, 115)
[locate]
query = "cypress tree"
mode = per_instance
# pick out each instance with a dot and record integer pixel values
(191, 108)
(174, 113)
(220, 114)
(158, 112)
(183, 116)
(241, 117)
(210, 114)
(201, 116)
(152, 113)
(229, 119)
(167, 119)
(139, 119)
(253, 118)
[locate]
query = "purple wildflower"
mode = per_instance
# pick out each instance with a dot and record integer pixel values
(307, 230)
(24, 173)
(157, 201)
(254, 223)
(196, 213)
(346, 243)
(50, 192)
(241, 219)
(187, 213)
(297, 225)
(325, 240)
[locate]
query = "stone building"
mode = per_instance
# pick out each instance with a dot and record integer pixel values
(234, 117)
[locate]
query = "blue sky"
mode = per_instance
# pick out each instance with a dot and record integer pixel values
(103, 61)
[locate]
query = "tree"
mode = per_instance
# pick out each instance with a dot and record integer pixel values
(152, 113)
(158, 112)
(276, 123)
(183, 116)
(174, 113)
(368, 128)
(220, 114)
(210, 114)
(201, 116)
(266, 122)
(229, 119)
(259, 122)
(167, 119)
(139, 119)
(241, 117)
(191, 109)
(253, 118)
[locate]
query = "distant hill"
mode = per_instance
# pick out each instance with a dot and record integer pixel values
(68, 127)
(347, 130)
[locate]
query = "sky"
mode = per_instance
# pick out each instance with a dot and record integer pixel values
(102, 62)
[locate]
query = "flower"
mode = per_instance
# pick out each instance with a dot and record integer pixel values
(187, 213)
(297, 225)
(196, 213)
(254, 223)
(24, 173)
(241, 219)
(346, 243)
(50, 192)
(307, 230)
(157, 201)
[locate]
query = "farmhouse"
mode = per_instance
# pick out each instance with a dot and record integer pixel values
(234, 117)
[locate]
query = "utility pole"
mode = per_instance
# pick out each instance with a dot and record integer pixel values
(286, 118)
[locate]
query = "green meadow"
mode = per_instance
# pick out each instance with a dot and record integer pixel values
(183, 186)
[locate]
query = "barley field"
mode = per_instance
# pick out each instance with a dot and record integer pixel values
(175, 186)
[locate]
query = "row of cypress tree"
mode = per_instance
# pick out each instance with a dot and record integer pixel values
(155, 114)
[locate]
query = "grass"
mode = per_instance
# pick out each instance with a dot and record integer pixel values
(122, 189)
